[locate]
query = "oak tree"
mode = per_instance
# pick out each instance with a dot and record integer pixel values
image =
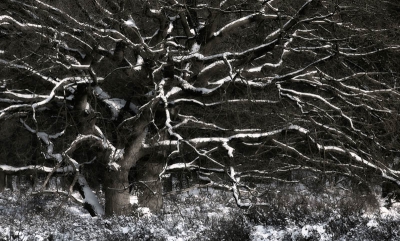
(234, 93)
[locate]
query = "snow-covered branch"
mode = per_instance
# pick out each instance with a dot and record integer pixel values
(253, 94)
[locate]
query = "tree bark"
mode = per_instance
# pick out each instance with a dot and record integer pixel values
(151, 185)
(9, 182)
(2, 181)
(117, 193)
(116, 181)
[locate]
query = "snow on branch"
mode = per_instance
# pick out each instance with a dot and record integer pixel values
(90, 197)
(368, 53)
(5, 20)
(31, 169)
(220, 56)
(26, 97)
(197, 90)
(115, 104)
(242, 21)
(230, 91)
(192, 101)
(29, 69)
(45, 138)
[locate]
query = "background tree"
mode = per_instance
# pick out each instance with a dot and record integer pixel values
(238, 92)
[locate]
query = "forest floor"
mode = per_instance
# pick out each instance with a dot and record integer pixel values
(200, 215)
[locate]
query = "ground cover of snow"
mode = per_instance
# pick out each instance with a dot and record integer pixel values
(196, 215)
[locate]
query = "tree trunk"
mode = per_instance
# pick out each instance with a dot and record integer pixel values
(2, 181)
(117, 192)
(9, 182)
(116, 181)
(151, 186)
(167, 184)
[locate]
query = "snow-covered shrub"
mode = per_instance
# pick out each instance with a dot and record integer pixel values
(208, 217)
(233, 227)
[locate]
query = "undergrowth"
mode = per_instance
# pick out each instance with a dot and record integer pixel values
(211, 216)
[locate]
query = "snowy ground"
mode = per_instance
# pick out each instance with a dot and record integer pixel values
(196, 216)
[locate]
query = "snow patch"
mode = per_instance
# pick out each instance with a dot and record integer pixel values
(173, 91)
(144, 212)
(195, 48)
(389, 213)
(139, 63)
(269, 233)
(133, 199)
(90, 197)
(125, 230)
(100, 93)
(115, 105)
(308, 231)
(130, 23)
(372, 224)
(170, 27)
(114, 166)
(117, 154)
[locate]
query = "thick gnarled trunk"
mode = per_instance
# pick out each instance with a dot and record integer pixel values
(117, 193)
(116, 179)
